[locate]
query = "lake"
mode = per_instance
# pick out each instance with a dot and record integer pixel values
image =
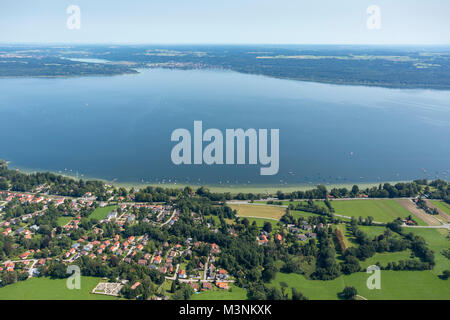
(118, 128)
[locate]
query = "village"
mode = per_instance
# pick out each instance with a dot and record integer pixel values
(171, 260)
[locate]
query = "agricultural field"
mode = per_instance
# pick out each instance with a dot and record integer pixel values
(258, 211)
(100, 213)
(220, 294)
(384, 210)
(442, 205)
(51, 289)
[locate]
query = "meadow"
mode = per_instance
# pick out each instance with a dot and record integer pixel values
(101, 212)
(385, 210)
(260, 222)
(442, 205)
(259, 211)
(51, 289)
(399, 285)
(62, 221)
(394, 284)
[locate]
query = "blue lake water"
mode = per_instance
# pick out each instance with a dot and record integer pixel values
(119, 127)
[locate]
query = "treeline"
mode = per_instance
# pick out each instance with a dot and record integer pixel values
(326, 265)
(17, 181)
(310, 206)
(57, 184)
(388, 242)
(423, 205)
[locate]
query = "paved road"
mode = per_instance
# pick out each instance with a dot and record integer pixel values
(444, 226)
(171, 217)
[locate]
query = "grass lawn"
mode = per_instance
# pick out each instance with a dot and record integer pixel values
(62, 221)
(437, 240)
(217, 220)
(394, 285)
(372, 231)
(49, 289)
(297, 214)
(260, 222)
(259, 211)
(100, 213)
(384, 210)
(220, 294)
(385, 257)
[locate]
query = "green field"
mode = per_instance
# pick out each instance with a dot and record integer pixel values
(259, 211)
(384, 210)
(260, 222)
(386, 257)
(394, 285)
(372, 231)
(442, 205)
(62, 221)
(100, 213)
(437, 240)
(220, 294)
(51, 289)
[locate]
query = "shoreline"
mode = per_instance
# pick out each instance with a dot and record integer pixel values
(232, 188)
(298, 79)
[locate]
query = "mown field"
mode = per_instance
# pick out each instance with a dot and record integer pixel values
(259, 211)
(62, 221)
(100, 213)
(220, 294)
(372, 231)
(51, 289)
(384, 210)
(386, 257)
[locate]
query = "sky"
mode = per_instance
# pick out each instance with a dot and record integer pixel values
(227, 22)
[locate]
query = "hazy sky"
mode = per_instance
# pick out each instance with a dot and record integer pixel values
(230, 21)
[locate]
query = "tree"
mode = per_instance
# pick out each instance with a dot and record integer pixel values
(445, 274)
(297, 295)
(3, 184)
(267, 227)
(355, 190)
(283, 286)
(349, 293)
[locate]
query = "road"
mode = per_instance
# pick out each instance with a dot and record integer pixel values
(171, 217)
